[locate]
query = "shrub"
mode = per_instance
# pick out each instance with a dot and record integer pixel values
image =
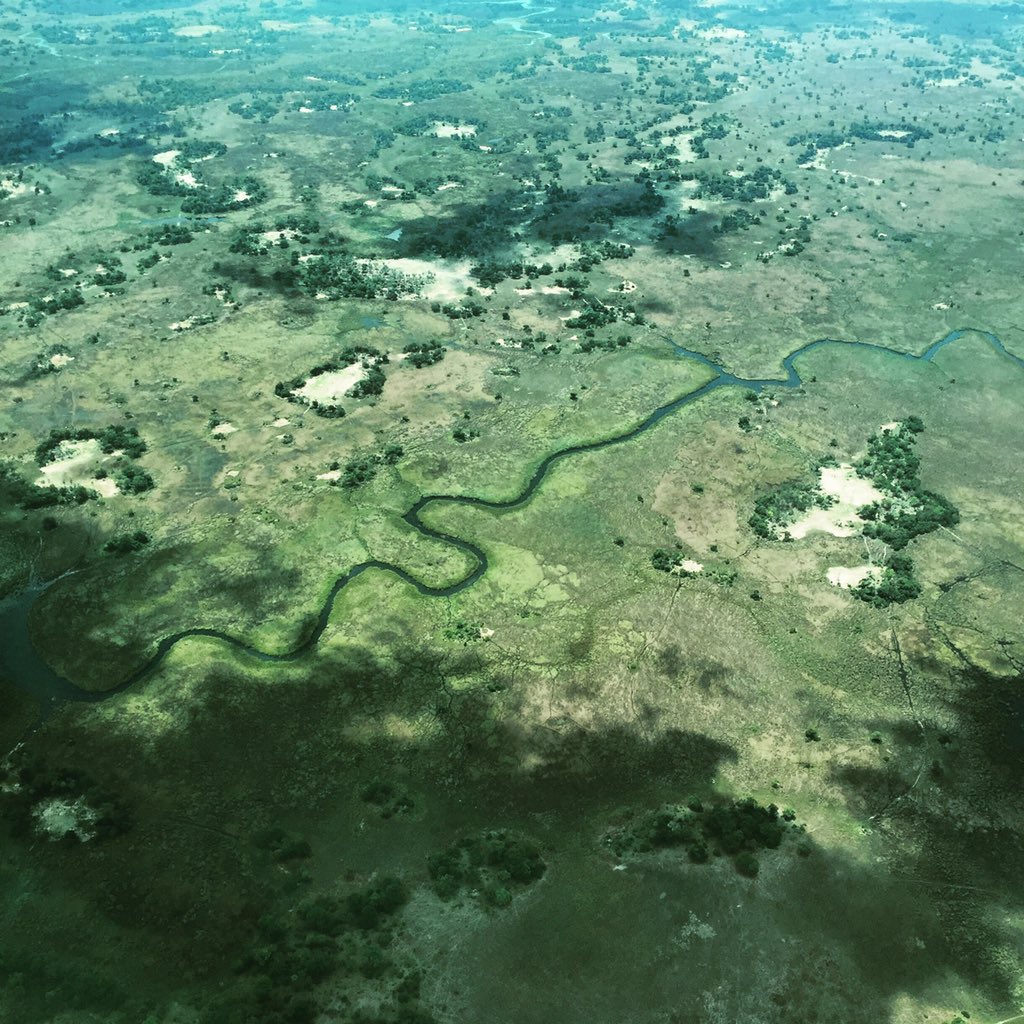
(747, 865)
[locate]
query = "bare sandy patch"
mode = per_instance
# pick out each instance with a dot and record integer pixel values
(448, 130)
(166, 158)
(74, 464)
(329, 388)
(60, 359)
(850, 492)
(58, 816)
(445, 279)
(848, 577)
(223, 429)
(818, 163)
(11, 188)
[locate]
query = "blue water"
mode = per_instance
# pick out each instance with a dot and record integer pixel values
(24, 666)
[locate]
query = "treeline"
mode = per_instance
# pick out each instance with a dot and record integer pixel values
(419, 92)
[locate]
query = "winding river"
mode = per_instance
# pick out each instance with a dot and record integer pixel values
(26, 668)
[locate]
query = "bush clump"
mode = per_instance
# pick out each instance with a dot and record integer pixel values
(907, 510)
(127, 543)
(489, 865)
(738, 829)
(424, 353)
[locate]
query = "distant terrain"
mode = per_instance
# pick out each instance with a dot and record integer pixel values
(511, 512)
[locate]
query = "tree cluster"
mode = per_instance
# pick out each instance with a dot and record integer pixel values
(907, 510)
(739, 829)
(776, 509)
(491, 864)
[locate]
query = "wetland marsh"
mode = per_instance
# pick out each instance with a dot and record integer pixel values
(511, 513)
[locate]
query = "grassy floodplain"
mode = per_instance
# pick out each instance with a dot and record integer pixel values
(584, 736)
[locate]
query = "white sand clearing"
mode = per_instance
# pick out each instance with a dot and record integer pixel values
(331, 474)
(447, 130)
(56, 817)
(166, 158)
(12, 188)
(223, 429)
(447, 279)
(61, 359)
(74, 463)
(329, 388)
(841, 520)
(689, 565)
(848, 577)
